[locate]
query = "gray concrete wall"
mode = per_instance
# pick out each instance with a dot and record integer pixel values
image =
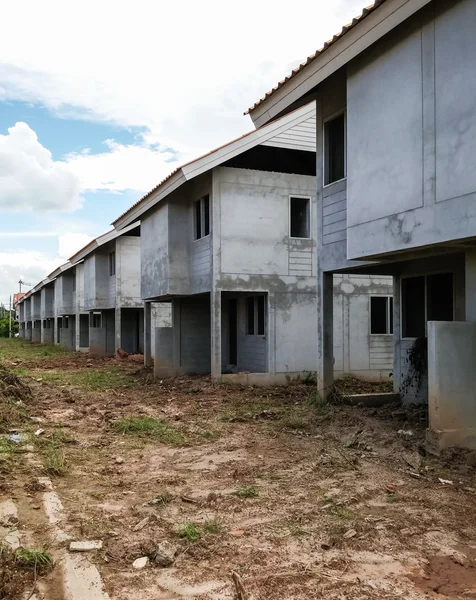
(83, 332)
(172, 262)
(412, 134)
(68, 334)
(128, 271)
(454, 264)
(28, 330)
(452, 384)
(99, 293)
(48, 331)
(356, 349)
(27, 304)
(65, 297)
(36, 305)
(192, 330)
(47, 303)
(36, 331)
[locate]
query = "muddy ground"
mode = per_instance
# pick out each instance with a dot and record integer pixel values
(301, 498)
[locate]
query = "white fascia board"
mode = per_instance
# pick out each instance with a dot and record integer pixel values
(373, 27)
(100, 241)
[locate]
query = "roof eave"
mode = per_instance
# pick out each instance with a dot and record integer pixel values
(377, 23)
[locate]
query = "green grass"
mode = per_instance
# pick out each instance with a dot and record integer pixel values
(190, 532)
(88, 379)
(148, 426)
(212, 526)
(7, 450)
(97, 495)
(246, 491)
(18, 350)
(11, 414)
(55, 461)
(320, 405)
(34, 559)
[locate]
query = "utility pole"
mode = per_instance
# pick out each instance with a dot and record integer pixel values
(20, 283)
(10, 319)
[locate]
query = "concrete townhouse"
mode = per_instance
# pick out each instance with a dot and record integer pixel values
(109, 306)
(396, 138)
(229, 243)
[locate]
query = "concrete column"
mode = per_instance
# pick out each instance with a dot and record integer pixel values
(147, 334)
(215, 332)
(397, 353)
(470, 285)
(42, 332)
(117, 328)
(77, 331)
(325, 333)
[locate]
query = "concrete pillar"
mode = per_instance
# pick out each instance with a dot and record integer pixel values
(77, 331)
(325, 333)
(215, 332)
(147, 334)
(470, 285)
(397, 353)
(117, 328)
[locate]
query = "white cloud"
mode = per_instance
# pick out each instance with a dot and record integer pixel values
(183, 70)
(28, 266)
(70, 243)
(30, 179)
(34, 266)
(123, 167)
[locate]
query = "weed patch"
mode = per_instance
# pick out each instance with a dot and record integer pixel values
(246, 491)
(148, 426)
(55, 461)
(190, 532)
(212, 526)
(34, 559)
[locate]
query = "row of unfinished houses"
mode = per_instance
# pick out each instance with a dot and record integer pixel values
(338, 237)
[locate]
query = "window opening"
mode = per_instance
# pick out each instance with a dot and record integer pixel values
(300, 217)
(334, 149)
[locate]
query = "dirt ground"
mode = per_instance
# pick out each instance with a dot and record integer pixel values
(300, 498)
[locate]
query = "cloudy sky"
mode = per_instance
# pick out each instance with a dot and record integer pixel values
(99, 100)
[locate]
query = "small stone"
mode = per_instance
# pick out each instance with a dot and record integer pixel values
(237, 532)
(141, 524)
(471, 458)
(460, 558)
(141, 563)
(165, 554)
(212, 497)
(119, 460)
(86, 546)
(350, 534)
(35, 506)
(39, 432)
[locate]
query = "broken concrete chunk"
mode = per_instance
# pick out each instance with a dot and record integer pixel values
(119, 460)
(350, 533)
(141, 563)
(86, 546)
(165, 554)
(460, 558)
(141, 524)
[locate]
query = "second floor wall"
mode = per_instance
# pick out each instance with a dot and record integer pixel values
(227, 226)
(112, 275)
(412, 134)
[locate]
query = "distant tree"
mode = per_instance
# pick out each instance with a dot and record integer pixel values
(4, 325)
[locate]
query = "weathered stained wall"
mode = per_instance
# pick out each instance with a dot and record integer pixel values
(48, 301)
(356, 350)
(128, 270)
(454, 264)
(412, 134)
(172, 261)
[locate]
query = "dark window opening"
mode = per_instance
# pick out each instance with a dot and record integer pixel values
(112, 263)
(300, 217)
(202, 217)
(440, 297)
(95, 320)
(251, 316)
(334, 150)
(256, 313)
(66, 323)
(277, 160)
(260, 311)
(426, 298)
(381, 315)
(413, 307)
